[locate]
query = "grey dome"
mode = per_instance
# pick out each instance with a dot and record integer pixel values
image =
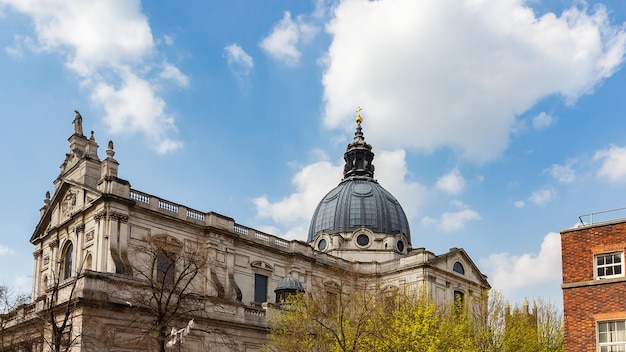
(289, 283)
(359, 202)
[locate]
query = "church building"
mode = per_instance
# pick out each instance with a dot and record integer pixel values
(118, 266)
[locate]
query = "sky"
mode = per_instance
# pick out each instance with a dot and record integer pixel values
(495, 123)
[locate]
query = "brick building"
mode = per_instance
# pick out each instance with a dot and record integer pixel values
(594, 286)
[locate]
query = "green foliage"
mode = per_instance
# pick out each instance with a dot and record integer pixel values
(363, 317)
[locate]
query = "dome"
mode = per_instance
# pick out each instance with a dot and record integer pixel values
(289, 283)
(359, 203)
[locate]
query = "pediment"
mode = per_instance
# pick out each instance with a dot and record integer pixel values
(68, 200)
(446, 262)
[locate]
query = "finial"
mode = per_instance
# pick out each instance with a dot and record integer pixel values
(359, 119)
(110, 152)
(92, 138)
(78, 123)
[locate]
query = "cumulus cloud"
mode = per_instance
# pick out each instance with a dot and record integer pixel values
(613, 163)
(452, 221)
(282, 43)
(452, 182)
(172, 73)
(538, 197)
(542, 197)
(239, 62)
(456, 74)
(519, 276)
(134, 107)
(293, 212)
(542, 121)
(105, 43)
(563, 173)
(4, 250)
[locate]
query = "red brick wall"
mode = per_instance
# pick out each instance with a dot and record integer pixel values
(584, 305)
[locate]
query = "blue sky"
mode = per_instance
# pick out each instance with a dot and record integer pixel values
(495, 123)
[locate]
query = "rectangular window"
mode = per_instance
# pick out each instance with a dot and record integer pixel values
(609, 265)
(165, 268)
(612, 336)
(260, 288)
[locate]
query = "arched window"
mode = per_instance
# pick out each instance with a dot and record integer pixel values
(458, 268)
(68, 256)
(88, 262)
(165, 268)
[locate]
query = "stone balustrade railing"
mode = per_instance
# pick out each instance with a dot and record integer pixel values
(208, 219)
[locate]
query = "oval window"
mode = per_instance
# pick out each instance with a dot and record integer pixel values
(321, 245)
(362, 240)
(400, 246)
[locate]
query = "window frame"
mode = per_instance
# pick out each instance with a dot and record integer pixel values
(68, 260)
(607, 345)
(258, 289)
(165, 268)
(458, 268)
(613, 265)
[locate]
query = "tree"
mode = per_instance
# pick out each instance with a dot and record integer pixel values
(336, 317)
(171, 278)
(59, 307)
(10, 299)
(360, 317)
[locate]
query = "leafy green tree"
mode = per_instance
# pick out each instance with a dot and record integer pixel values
(363, 317)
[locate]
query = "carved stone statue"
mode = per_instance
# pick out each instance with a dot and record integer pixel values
(78, 123)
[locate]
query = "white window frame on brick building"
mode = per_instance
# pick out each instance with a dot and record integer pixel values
(608, 265)
(611, 335)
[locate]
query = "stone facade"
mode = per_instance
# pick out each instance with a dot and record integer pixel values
(91, 233)
(594, 284)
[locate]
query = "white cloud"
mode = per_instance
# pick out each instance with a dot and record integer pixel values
(312, 182)
(520, 276)
(134, 107)
(172, 73)
(520, 204)
(455, 221)
(293, 212)
(106, 42)
(542, 121)
(563, 173)
(542, 197)
(452, 221)
(456, 74)
(282, 43)
(238, 60)
(613, 162)
(169, 41)
(4, 250)
(452, 182)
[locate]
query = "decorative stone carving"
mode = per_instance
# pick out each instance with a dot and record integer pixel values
(89, 235)
(38, 253)
(118, 216)
(53, 243)
(68, 204)
(79, 227)
(46, 260)
(99, 215)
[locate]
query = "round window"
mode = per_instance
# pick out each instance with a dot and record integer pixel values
(400, 246)
(321, 245)
(362, 240)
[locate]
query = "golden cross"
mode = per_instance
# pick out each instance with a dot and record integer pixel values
(359, 119)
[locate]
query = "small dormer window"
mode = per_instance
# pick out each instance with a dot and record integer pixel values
(458, 268)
